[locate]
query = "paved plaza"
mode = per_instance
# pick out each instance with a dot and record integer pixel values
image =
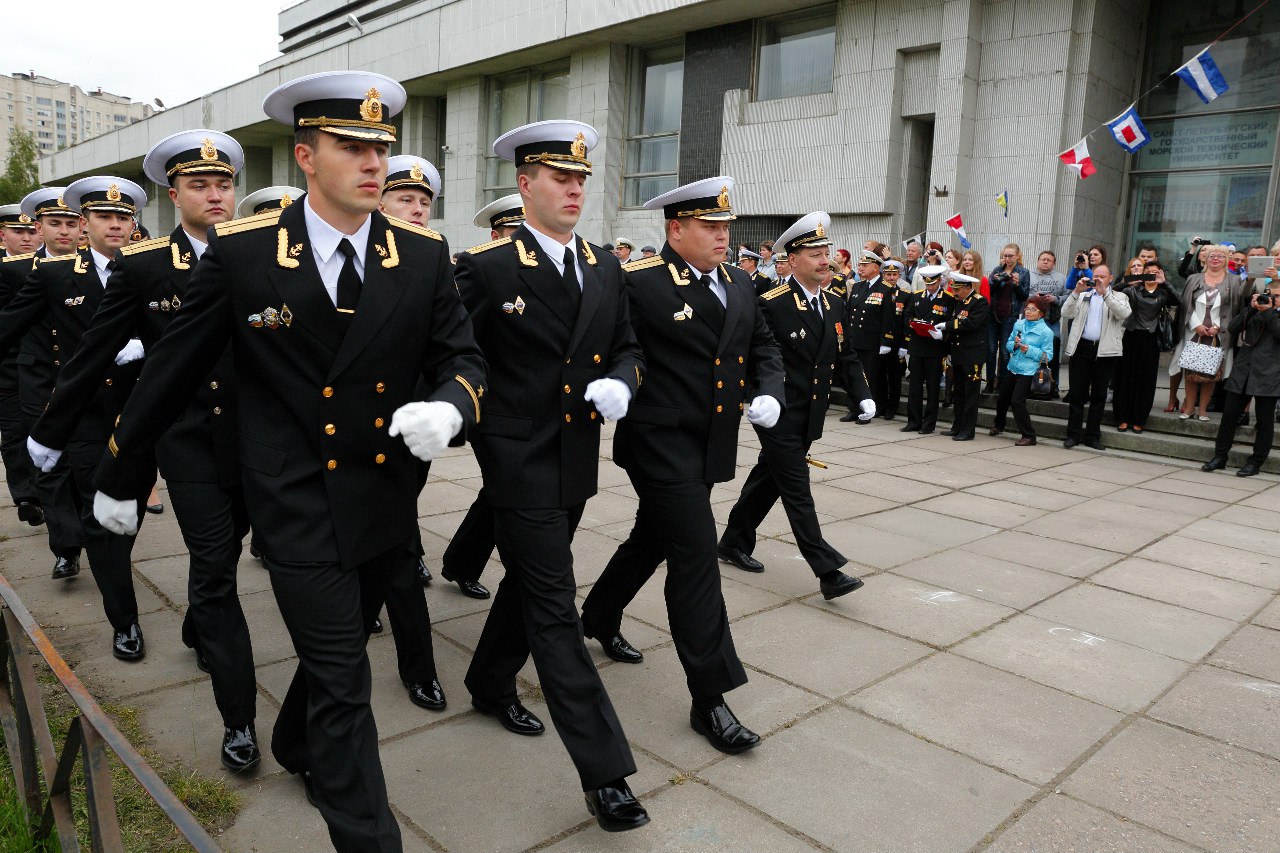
(1055, 650)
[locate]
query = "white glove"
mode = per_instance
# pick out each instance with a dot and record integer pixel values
(45, 458)
(902, 352)
(868, 408)
(118, 517)
(611, 396)
(426, 427)
(764, 411)
(132, 352)
(884, 350)
(936, 334)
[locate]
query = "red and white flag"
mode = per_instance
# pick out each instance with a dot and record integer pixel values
(1078, 160)
(956, 224)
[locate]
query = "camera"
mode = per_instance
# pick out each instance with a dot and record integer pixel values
(1001, 278)
(1082, 258)
(1264, 298)
(1200, 241)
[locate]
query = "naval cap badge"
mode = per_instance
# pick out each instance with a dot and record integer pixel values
(579, 146)
(113, 193)
(207, 150)
(416, 172)
(371, 106)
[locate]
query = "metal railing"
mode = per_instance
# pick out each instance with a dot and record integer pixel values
(91, 737)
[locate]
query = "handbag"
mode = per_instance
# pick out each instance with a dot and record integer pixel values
(1164, 332)
(1201, 363)
(1042, 380)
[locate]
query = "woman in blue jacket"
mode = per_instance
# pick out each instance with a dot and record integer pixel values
(1029, 345)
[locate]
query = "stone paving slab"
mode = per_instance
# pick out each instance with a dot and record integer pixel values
(1138, 678)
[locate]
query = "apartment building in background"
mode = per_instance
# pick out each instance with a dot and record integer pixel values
(59, 114)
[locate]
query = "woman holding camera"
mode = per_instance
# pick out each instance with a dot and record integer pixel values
(1149, 295)
(1029, 345)
(1203, 313)
(1008, 283)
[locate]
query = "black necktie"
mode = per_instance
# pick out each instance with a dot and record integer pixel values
(570, 277)
(348, 278)
(813, 304)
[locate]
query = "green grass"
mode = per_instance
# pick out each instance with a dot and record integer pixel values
(143, 826)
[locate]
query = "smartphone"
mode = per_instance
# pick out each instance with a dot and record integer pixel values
(1258, 266)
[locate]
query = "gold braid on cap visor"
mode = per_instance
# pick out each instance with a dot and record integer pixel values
(324, 121)
(203, 166)
(552, 159)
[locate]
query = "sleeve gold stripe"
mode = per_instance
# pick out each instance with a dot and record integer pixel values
(475, 398)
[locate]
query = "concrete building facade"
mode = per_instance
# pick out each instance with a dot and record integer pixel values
(60, 114)
(892, 115)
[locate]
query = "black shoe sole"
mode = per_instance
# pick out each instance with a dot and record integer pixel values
(241, 768)
(128, 658)
(854, 587)
(722, 558)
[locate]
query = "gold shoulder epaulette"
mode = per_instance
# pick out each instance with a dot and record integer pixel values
(248, 223)
(70, 257)
(415, 229)
(28, 256)
(492, 244)
(145, 246)
(780, 290)
(644, 263)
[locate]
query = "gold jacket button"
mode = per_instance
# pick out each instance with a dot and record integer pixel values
(328, 392)
(592, 416)
(377, 422)
(217, 410)
(568, 418)
(719, 409)
(379, 387)
(596, 358)
(815, 396)
(57, 363)
(567, 389)
(739, 359)
(108, 381)
(717, 362)
(719, 383)
(333, 463)
(742, 383)
(53, 332)
(55, 347)
(213, 386)
(330, 429)
(380, 458)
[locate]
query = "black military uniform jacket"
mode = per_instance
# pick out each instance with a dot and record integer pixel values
(813, 349)
(62, 294)
(760, 282)
(34, 357)
(146, 288)
(705, 364)
(539, 442)
(932, 311)
(323, 480)
(871, 314)
(968, 329)
(9, 287)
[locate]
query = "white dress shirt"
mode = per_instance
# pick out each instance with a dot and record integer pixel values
(324, 246)
(717, 287)
(1093, 325)
(100, 262)
(554, 250)
(814, 299)
(198, 246)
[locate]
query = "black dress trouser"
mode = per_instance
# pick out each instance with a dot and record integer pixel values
(325, 725)
(213, 521)
(890, 385)
(18, 468)
(674, 522)
(966, 378)
(1090, 376)
(110, 555)
(1136, 378)
(472, 543)
(870, 361)
(1264, 425)
(923, 392)
(57, 494)
(401, 590)
(781, 472)
(535, 613)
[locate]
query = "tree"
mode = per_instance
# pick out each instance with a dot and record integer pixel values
(21, 174)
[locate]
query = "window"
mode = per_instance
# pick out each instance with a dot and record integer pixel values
(653, 140)
(531, 94)
(797, 54)
(46, 102)
(119, 119)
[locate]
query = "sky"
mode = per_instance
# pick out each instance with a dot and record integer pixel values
(132, 49)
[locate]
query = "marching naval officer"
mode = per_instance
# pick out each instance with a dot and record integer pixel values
(807, 323)
(67, 290)
(197, 456)
(268, 198)
(710, 356)
(18, 237)
(333, 312)
(550, 314)
(472, 543)
(59, 229)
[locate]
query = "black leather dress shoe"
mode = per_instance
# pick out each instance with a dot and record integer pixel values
(515, 717)
(844, 419)
(66, 567)
(926, 432)
(427, 694)
(1249, 470)
(968, 436)
(1217, 463)
(471, 589)
(841, 584)
(738, 558)
(376, 627)
(722, 729)
(617, 648)
(424, 574)
(1093, 444)
(31, 513)
(948, 432)
(202, 663)
(910, 428)
(240, 749)
(155, 508)
(1070, 443)
(616, 809)
(254, 552)
(309, 788)
(129, 645)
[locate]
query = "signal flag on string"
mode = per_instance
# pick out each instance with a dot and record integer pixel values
(1078, 160)
(1129, 130)
(1202, 75)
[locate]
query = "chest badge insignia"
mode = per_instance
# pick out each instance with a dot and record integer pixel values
(684, 313)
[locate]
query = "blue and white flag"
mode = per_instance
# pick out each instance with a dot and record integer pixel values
(1129, 130)
(1203, 76)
